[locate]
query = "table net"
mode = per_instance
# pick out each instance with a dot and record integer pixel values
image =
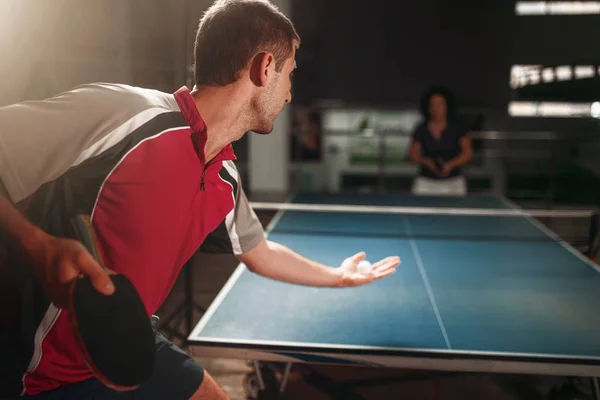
(474, 218)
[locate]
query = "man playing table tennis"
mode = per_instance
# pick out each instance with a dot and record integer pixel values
(155, 171)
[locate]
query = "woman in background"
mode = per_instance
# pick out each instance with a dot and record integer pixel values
(440, 147)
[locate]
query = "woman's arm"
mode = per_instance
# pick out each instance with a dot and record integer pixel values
(417, 158)
(465, 156)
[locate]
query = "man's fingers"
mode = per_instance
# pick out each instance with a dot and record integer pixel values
(358, 257)
(364, 279)
(384, 270)
(96, 274)
(383, 274)
(379, 270)
(386, 266)
(386, 263)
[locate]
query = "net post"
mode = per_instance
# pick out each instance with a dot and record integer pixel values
(593, 239)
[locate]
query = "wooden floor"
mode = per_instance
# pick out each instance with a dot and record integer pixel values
(210, 272)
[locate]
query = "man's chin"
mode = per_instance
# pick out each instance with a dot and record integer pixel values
(263, 131)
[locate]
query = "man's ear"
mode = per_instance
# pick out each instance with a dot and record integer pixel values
(261, 68)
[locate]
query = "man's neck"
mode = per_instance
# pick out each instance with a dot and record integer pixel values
(223, 111)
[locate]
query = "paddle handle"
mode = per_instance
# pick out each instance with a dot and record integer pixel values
(86, 235)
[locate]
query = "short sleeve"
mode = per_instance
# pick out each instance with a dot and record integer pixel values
(245, 226)
(41, 139)
(241, 230)
(417, 135)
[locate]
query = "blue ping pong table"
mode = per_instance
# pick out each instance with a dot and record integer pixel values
(473, 294)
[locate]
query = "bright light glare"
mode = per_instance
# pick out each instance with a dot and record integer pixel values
(564, 73)
(550, 109)
(523, 75)
(584, 71)
(595, 109)
(548, 75)
(557, 7)
(530, 8)
(522, 109)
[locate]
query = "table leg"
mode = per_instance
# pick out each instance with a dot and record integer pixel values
(185, 312)
(286, 375)
(596, 388)
(189, 298)
(261, 381)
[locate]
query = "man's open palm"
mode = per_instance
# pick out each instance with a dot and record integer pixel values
(352, 276)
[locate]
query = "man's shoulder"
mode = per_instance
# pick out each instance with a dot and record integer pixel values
(115, 102)
(116, 91)
(113, 86)
(91, 101)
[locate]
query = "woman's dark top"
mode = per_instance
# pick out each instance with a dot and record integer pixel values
(439, 150)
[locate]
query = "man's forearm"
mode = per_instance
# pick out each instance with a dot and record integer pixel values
(276, 261)
(15, 228)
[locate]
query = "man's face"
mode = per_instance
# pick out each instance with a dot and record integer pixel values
(275, 96)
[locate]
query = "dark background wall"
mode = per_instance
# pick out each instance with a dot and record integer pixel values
(376, 53)
(386, 53)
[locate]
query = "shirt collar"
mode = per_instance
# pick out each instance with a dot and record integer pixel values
(196, 122)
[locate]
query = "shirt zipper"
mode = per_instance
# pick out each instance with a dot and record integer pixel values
(202, 184)
(219, 157)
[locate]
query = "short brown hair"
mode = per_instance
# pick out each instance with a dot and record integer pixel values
(231, 32)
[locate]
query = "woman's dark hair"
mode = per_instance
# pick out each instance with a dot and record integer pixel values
(445, 93)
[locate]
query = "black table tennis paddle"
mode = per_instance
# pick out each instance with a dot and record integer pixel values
(114, 333)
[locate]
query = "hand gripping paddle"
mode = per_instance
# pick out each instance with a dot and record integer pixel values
(114, 333)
